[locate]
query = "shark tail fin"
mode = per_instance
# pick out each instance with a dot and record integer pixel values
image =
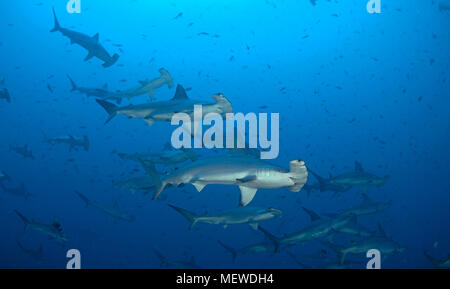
(299, 174)
(22, 217)
(110, 108)
(191, 217)
(83, 197)
(150, 169)
(57, 27)
(337, 249)
(275, 240)
(111, 61)
(302, 265)
(432, 260)
(319, 178)
(74, 85)
(160, 256)
(5, 95)
(229, 249)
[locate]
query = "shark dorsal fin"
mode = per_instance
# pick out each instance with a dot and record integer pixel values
(57, 225)
(96, 37)
(313, 215)
(382, 233)
(180, 93)
(366, 200)
(358, 167)
(105, 86)
(143, 82)
(330, 175)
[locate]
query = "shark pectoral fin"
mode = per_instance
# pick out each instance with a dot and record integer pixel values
(199, 186)
(89, 56)
(151, 94)
(247, 195)
(246, 179)
(254, 226)
(149, 120)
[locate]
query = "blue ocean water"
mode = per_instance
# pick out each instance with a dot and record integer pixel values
(348, 85)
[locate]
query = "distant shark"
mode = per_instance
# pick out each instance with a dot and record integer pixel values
(72, 141)
(319, 228)
(164, 110)
(325, 185)
(241, 215)
(175, 264)
(249, 173)
(344, 182)
(53, 231)
(24, 151)
(4, 93)
(367, 207)
(438, 264)
(91, 44)
(382, 243)
(97, 92)
(141, 183)
(146, 87)
(169, 158)
(113, 212)
(18, 191)
(37, 255)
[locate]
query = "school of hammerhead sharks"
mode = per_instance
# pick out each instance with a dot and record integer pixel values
(237, 167)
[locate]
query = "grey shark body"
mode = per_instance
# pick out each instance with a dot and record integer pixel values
(164, 110)
(358, 178)
(70, 140)
(175, 264)
(168, 158)
(438, 263)
(241, 215)
(367, 207)
(385, 245)
(53, 231)
(37, 255)
(91, 44)
(322, 227)
(24, 151)
(96, 92)
(249, 173)
(18, 191)
(326, 185)
(146, 87)
(135, 184)
(114, 212)
(318, 228)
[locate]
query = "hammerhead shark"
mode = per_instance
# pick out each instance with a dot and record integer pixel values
(91, 44)
(146, 87)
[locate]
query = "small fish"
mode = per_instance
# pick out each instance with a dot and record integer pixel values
(178, 16)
